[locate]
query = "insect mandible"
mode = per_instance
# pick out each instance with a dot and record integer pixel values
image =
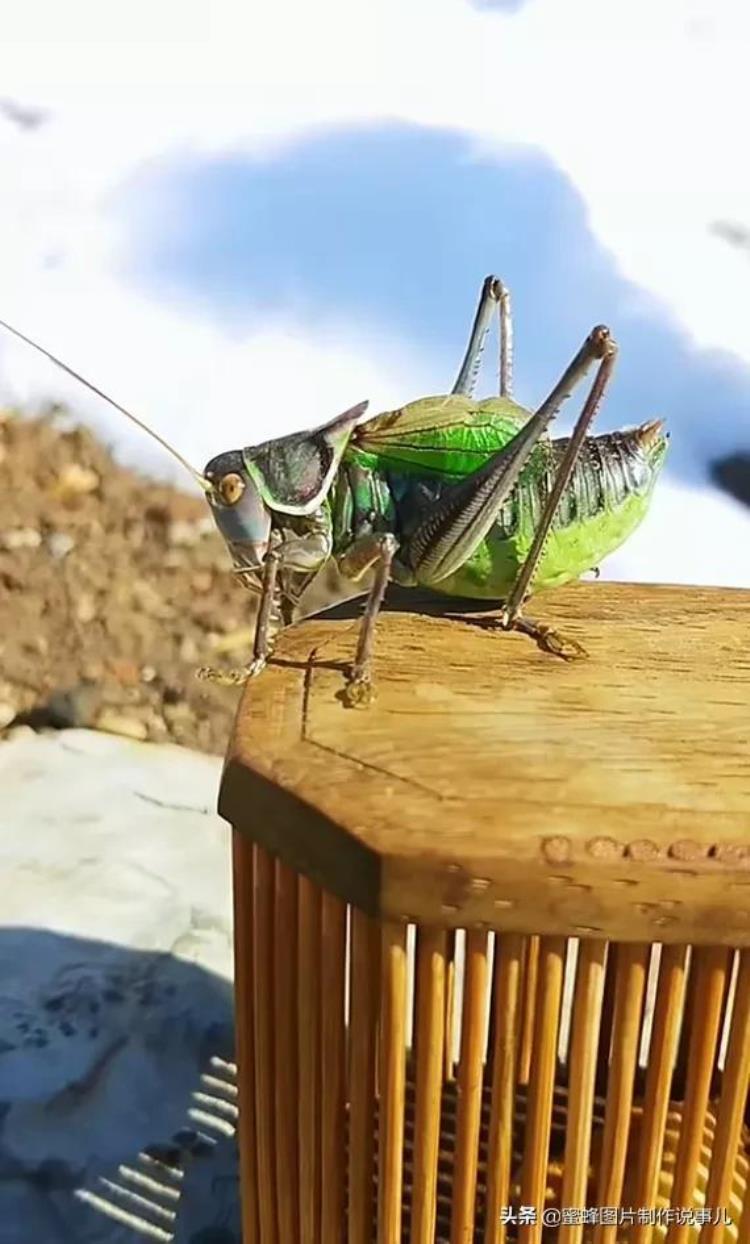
(467, 498)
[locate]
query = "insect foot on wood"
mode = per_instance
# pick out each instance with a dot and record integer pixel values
(358, 692)
(236, 677)
(549, 640)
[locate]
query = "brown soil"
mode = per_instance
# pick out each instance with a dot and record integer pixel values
(113, 590)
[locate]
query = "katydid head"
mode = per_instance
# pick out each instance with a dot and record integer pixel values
(238, 509)
(251, 489)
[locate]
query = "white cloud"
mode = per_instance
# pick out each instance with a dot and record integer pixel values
(193, 383)
(644, 108)
(690, 535)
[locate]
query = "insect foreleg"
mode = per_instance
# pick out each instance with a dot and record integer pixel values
(262, 643)
(494, 294)
(378, 550)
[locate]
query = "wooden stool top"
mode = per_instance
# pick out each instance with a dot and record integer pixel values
(491, 783)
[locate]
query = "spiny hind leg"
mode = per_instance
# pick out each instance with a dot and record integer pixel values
(511, 618)
(494, 294)
(599, 345)
(453, 527)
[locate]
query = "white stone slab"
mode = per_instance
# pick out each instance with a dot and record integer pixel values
(115, 964)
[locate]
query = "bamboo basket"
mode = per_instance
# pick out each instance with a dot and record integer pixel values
(492, 959)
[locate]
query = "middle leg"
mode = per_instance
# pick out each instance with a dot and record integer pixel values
(378, 551)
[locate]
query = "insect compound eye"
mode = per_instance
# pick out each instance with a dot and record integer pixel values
(231, 488)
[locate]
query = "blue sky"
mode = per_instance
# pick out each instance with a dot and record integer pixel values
(260, 216)
(394, 227)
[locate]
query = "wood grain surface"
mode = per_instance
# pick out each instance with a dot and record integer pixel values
(492, 784)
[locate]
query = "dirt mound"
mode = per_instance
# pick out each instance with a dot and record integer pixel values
(113, 590)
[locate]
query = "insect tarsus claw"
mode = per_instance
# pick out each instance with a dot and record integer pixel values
(232, 677)
(550, 641)
(560, 645)
(358, 692)
(221, 678)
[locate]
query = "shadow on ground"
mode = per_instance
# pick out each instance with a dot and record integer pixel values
(101, 1047)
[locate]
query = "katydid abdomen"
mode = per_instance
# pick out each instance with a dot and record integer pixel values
(400, 464)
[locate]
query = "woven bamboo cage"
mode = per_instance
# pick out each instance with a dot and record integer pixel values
(493, 933)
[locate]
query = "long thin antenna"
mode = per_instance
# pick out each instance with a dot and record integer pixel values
(201, 480)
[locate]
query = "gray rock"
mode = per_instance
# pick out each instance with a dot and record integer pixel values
(60, 544)
(68, 707)
(115, 969)
(20, 538)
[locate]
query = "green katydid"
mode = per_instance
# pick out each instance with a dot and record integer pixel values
(467, 498)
